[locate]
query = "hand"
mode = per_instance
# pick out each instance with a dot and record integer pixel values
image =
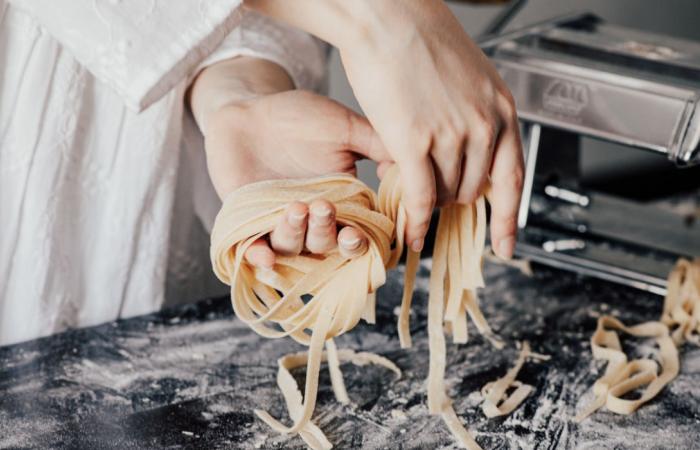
(439, 106)
(293, 134)
(444, 114)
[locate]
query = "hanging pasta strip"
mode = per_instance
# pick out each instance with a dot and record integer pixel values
(310, 433)
(447, 288)
(342, 291)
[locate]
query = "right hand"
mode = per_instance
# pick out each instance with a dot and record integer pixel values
(443, 113)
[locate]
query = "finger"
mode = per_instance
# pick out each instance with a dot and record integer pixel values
(382, 168)
(476, 162)
(361, 138)
(506, 188)
(322, 233)
(418, 185)
(447, 155)
(288, 236)
(260, 254)
(351, 242)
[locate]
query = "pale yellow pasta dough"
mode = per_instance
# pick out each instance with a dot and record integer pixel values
(681, 311)
(342, 290)
(622, 376)
(680, 322)
(496, 400)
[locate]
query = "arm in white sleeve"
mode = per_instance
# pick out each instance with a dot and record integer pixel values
(301, 55)
(140, 48)
(259, 57)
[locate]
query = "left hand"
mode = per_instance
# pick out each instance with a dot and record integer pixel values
(292, 134)
(289, 134)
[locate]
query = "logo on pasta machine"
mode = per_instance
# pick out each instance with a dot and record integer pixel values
(565, 97)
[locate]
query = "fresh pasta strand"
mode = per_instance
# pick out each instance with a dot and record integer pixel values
(679, 323)
(622, 376)
(681, 311)
(342, 290)
(310, 433)
(496, 401)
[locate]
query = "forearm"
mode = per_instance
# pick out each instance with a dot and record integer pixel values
(352, 24)
(232, 81)
(334, 21)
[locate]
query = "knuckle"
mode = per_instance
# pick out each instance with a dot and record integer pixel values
(420, 139)
(505, 224)
(505, 96)
(451, 136)
(508, 107)
(423, 202)
(488, 87)
(291, 229)
(512, 183)
(317, 245)
(321, 204)
(485, 133)
(517, 179)
(420, 226)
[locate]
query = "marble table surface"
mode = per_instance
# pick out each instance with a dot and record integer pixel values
(190, 377)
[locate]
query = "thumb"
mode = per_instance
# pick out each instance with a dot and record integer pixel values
(383, 167)
(363, 139)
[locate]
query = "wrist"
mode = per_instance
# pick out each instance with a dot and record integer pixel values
(231, 82)
(227, 139)
(343, 24)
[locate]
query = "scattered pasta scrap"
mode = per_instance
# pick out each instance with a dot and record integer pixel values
(681, 311)
(342, 290)
(680, 322)
(523, 265)
(622, 376)
(497, 402)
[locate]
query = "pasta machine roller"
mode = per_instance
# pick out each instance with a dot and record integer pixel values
(578, 83)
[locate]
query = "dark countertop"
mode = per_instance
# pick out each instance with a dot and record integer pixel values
(190, 378)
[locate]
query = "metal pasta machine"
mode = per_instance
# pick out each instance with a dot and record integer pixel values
(583, 85)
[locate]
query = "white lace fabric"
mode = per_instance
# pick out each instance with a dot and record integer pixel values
(101, 207)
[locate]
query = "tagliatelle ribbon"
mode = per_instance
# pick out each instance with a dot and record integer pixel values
(680, 322)
(682, 303)
(327, 295)
(497, 402)
(310, 432)
(622, 376)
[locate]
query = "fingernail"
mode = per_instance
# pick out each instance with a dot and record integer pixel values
(321, 216)
(350, 244)
(505, 247)
(296, 219)
(417, 245)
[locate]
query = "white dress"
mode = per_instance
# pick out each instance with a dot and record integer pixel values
(104, 196)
